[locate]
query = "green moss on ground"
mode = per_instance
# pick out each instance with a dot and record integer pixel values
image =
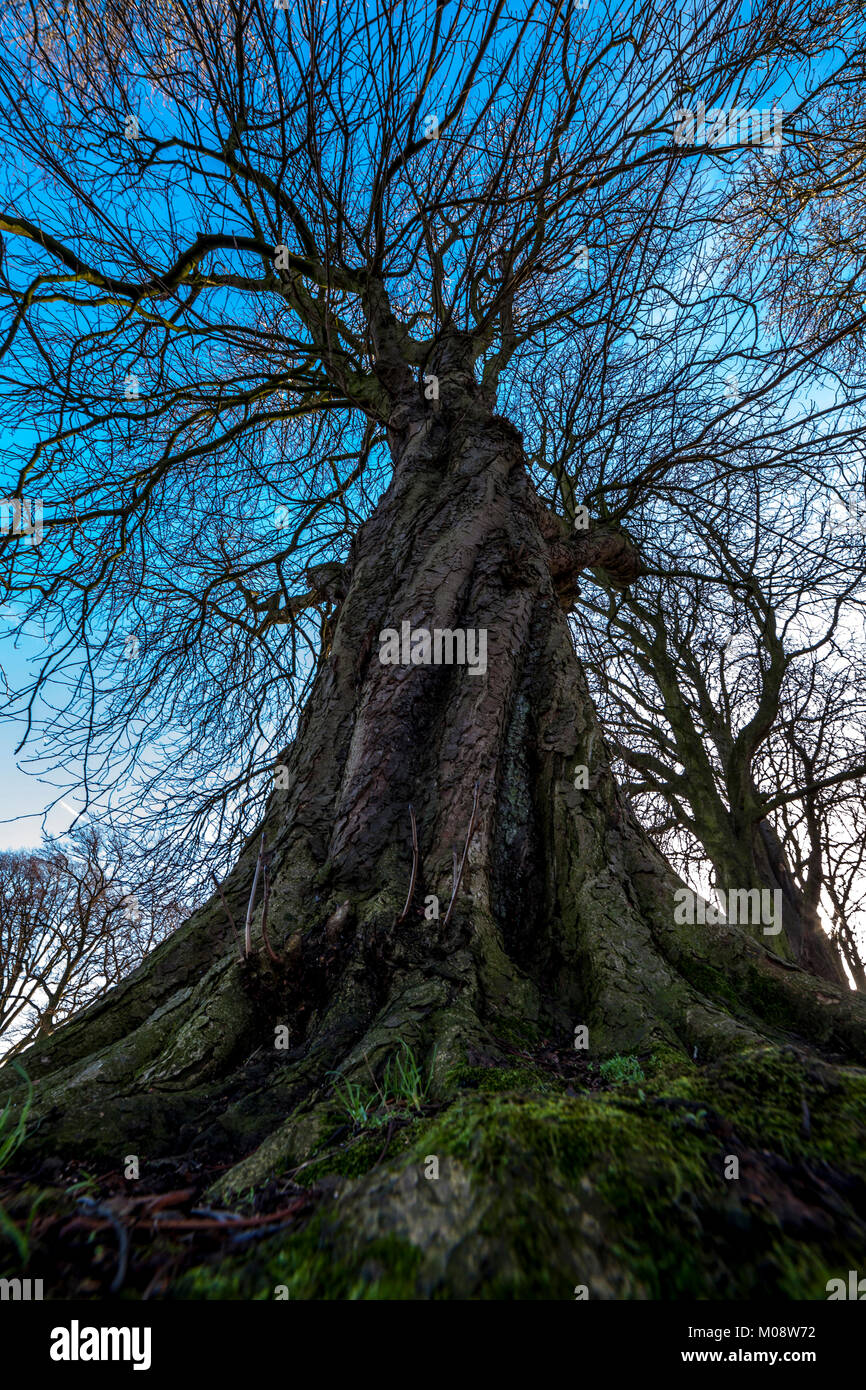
(623, 1192)
(490, 1079)
(304, 1267)
(361, 1153)
(511, 1188)
(775, 1099)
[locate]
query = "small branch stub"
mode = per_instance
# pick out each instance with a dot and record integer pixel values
(411, 893)
(463, 860)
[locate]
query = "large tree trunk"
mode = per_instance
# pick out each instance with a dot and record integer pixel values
(564, 915)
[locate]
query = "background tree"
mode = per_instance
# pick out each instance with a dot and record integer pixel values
(793, 225)
(734, 701)
(72, 926)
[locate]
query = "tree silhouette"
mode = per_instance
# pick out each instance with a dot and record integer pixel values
(341, 326)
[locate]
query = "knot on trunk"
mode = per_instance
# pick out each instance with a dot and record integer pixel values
(603, 547)
(328, 587)
(328, 582)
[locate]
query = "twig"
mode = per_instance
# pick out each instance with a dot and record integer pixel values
(228, 914)
(248, 929)
(110, 1217)
(387, 1142)
(411, 893)
(122, 1256)
(376, 1087)
(161, 1278)
(463, 860)
(265, 915)
(102, 1218)
(221, 1216)
(151, 1203)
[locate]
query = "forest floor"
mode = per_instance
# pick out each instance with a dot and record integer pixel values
(98, 1235)
(619, 1146)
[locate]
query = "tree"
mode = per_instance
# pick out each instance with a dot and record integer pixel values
(734, 698)
(321, 263)
(71, 928)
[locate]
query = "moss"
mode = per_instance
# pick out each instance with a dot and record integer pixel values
(774, 1099)
(840, 1121)
(772, 1003)
(536, 1192)
(622, 1071)
(517, 1032)
(575, 1163)
(711, 982)
(492, 1079)
(665, 1063)
(648, 1177)
(359, 1155)
(567, 1133)
(309, 1264)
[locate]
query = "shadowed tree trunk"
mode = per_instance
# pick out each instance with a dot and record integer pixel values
(746, 852)
(727, 814)
(564, 914)
(812, 948)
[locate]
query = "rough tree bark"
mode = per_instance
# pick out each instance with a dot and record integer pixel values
(564, 917)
